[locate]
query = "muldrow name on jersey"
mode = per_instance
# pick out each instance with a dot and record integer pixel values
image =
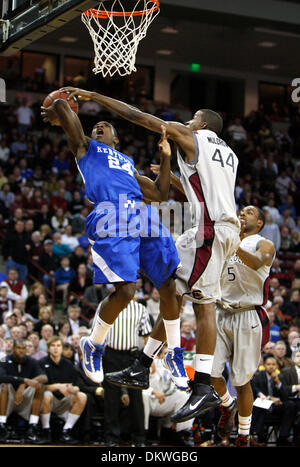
(219, 141)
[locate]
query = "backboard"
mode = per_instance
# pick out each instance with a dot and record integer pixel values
(24, 21)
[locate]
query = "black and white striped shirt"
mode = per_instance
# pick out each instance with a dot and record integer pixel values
(131, 323)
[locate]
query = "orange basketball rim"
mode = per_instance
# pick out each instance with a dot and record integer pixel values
(106, 14)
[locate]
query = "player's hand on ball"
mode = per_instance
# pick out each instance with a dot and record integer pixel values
(49, 115)
(79, 93)
(163, 145)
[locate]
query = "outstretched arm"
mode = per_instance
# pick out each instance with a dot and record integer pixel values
(176, 131)
(60, 113)
(158, 190)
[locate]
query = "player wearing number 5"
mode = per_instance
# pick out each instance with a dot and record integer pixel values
(242, 323)
(119, 229)
(208, 171)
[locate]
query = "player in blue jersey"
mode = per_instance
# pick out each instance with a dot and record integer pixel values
(120, 229)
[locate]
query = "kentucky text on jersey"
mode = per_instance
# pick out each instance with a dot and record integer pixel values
(107, 173)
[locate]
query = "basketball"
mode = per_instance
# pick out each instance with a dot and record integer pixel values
(73, 103)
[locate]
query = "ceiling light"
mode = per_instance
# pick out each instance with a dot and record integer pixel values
(169, 30)
(68, 39)
(270, 66)
(164, 52)
(267, 44)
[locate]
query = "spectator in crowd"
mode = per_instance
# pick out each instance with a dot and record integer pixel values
(16, 287)
(59, 248)
(25, 117)
(68, 238)
(63, 276)
(48, 264)
(266, 384)
(16, 246)
(9, 322)
(188, 338)
(6, 304)
(274, 328)
(45, 317)
(21, 390)
(31, 305)
(77, 257)
(280, 355)
(74, 317)
(34, 337)
(293, 343)
(62, 395)
(64, 330)
(69, 352)
(291, 308)
(80, 281)
(47, 331)
(42, 217)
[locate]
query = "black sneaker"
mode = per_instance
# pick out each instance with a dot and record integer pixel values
(202, 398)
(33, 435)
(66, 437)
(46, 435)
(3, 432)
(135, 376)
(227, 420)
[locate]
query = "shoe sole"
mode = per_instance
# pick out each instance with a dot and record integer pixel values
(196, 413)
(125, 385)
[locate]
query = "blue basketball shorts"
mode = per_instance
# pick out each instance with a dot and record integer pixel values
(120, 250)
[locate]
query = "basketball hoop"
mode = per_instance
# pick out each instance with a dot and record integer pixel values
(116, 34)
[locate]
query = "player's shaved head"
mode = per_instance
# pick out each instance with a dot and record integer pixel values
(213, 119)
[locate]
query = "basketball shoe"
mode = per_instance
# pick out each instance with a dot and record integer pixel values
(136, 376)
(91, 361)
(227, 420)
(173, 362)
(202, 398)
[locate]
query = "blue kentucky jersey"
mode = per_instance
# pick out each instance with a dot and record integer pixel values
(107, 174)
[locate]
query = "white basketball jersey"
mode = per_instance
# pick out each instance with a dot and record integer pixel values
(241, 286)
(209, 180)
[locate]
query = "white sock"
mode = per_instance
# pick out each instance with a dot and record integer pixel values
(227, 399)
(204, 363)
(33, 420)
(244, 425)
(45, 420)
(172, 327)
(152, 347)
(3, 418)
(100, 331)
(71, 420)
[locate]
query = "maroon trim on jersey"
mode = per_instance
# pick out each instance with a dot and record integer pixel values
(266, 290)
(265, 324)
(205, 233)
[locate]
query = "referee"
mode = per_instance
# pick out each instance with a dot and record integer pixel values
(122, 347)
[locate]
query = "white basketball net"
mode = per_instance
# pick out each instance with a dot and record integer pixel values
(116, 34)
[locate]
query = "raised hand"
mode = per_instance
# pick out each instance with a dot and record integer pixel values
(163, 145)
(49, 115)
(81, 94)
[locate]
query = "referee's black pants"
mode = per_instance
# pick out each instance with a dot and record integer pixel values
(115, 360)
